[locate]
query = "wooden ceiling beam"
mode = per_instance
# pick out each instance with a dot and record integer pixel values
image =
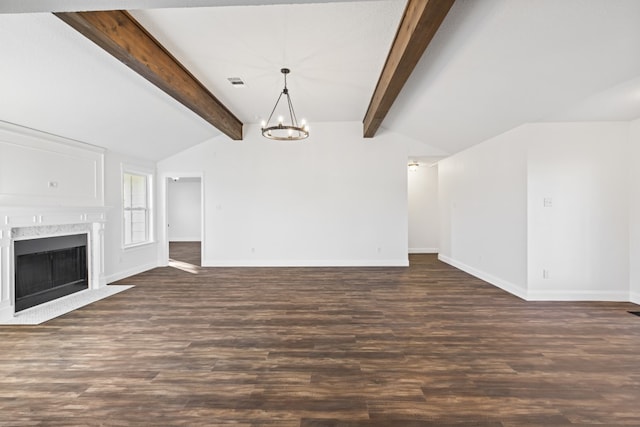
(118, 33)
(418, 26)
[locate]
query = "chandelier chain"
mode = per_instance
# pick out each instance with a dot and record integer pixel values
(274, 108)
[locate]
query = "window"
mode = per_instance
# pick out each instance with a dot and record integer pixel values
(136, 212)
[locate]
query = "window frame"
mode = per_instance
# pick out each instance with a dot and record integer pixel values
(148, 209)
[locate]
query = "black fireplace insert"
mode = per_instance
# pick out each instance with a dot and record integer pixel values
(49, 268)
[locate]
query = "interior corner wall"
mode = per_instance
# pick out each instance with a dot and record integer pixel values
(543, 211)
(184, 210)
(424, 227)
(483, 211)
(335, 199)
(634, 211)
(119, 262)
(578, 211)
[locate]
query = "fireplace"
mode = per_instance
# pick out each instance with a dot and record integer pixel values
(49, 268)
(77, 259)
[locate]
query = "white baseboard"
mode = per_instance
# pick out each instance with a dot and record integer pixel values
(130, 272)
(423, 250)
(543, 295)
(512, 288)
(185, 239)
(307, 263)
(577, 296)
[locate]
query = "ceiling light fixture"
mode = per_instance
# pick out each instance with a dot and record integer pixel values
(282, 131)
(413, 166)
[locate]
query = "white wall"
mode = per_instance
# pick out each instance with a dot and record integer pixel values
(40, 169)
(496, 224)
(483, 211)
(422, 186)
(333, 199)
(184, 210)
(120, 262)
(634, 216)
(581, 240)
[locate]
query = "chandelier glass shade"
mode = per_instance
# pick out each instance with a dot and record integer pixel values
(281, 130)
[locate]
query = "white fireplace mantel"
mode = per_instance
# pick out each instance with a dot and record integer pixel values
(17, 223)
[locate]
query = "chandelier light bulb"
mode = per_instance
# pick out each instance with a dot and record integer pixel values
(263, 124)
(280, 120)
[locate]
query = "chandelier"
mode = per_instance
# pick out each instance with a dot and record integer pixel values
(281, 131)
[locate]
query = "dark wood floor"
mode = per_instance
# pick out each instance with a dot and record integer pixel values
(317, 347)
(185, 252)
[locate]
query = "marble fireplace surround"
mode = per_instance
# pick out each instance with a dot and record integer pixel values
(32, 223)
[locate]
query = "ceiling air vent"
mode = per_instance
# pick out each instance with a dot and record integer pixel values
(236, 81)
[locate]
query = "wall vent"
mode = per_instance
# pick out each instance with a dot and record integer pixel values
(236, 81)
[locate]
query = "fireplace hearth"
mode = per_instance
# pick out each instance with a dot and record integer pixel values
(49, 268)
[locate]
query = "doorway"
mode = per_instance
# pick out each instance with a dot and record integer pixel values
(423, 212)
(184, 221)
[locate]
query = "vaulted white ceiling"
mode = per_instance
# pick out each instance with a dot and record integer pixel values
(335, 52)
(55, 80)
(494, 64)
(25, 6)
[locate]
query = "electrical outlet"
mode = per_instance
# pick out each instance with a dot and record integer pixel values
(545, 273)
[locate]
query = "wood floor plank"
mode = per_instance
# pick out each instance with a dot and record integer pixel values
(421, 346)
